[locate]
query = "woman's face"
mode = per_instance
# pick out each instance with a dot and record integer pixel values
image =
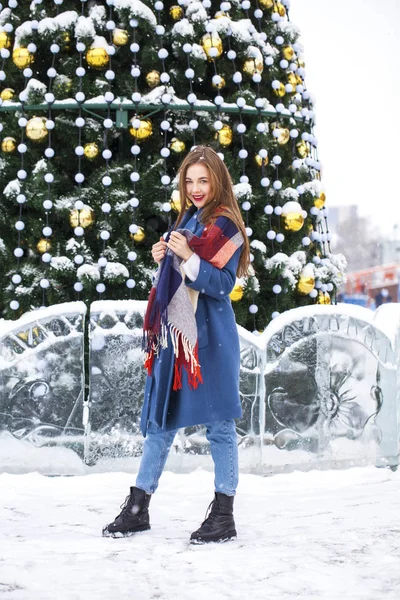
(198, 185)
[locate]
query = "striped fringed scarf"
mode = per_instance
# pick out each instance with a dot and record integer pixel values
(170, 308)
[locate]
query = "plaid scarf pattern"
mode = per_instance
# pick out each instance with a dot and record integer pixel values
(169, 308)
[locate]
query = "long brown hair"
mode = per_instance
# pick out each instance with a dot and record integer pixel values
(223, 197)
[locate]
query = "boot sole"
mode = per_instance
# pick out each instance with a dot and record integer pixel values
(119, 534)
(227, 538)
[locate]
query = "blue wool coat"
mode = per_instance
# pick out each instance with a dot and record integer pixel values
(217, 398)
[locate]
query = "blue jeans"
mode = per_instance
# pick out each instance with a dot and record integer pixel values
(224, 452)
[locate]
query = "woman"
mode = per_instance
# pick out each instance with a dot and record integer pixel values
(192, 344)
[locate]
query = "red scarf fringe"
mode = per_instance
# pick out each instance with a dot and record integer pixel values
(194, 375)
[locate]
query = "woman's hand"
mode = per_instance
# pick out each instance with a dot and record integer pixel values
(178, 244)
(158, 250)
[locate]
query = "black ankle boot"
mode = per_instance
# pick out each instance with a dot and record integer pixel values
(219, 526)
(134, 516)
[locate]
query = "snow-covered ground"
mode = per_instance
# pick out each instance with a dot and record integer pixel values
(330, 534)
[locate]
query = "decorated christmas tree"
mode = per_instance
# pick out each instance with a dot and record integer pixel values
(101, 100)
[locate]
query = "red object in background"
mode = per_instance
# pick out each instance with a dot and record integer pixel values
(372, 281)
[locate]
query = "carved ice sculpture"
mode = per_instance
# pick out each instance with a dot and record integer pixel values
(327, 388)
(117, 379)
(42, 386)
(319, 389)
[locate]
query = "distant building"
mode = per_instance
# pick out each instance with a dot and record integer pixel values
(337, 215)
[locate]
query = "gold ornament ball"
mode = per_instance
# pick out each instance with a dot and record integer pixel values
(305, 284)
(292, 216)
(7, 94)
(153, 78)
(212, 40)
(284, 136)
(43, 246)
(237, 293)
(176, 12)
(280, 91)
(36, 129)
(293, 221)
(292, 79)
(323, 298)
(302, 149)
(320, 201)
(97, 58)
(9, 144)
(280, 9)
(139, 235)
(22, 58)
(253, 65)
(220, 14)
(91, 150)
(220, 85)
(177, 146)
(301, 63)
(176, 201)
(225, 135)
(5, 40)
(144, 131)
(288, 52)
(81, 218)
(261, 162)
(266, 3)
(120, 37)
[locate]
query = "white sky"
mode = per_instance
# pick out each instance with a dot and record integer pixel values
(351, 50)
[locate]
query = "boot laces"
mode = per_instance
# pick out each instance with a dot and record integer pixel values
(126, 507)
(211, 514)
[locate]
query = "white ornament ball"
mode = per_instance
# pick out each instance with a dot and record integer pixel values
(102, 262)
(253, 309)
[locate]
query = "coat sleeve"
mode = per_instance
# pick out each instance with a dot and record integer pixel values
(215, 282)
